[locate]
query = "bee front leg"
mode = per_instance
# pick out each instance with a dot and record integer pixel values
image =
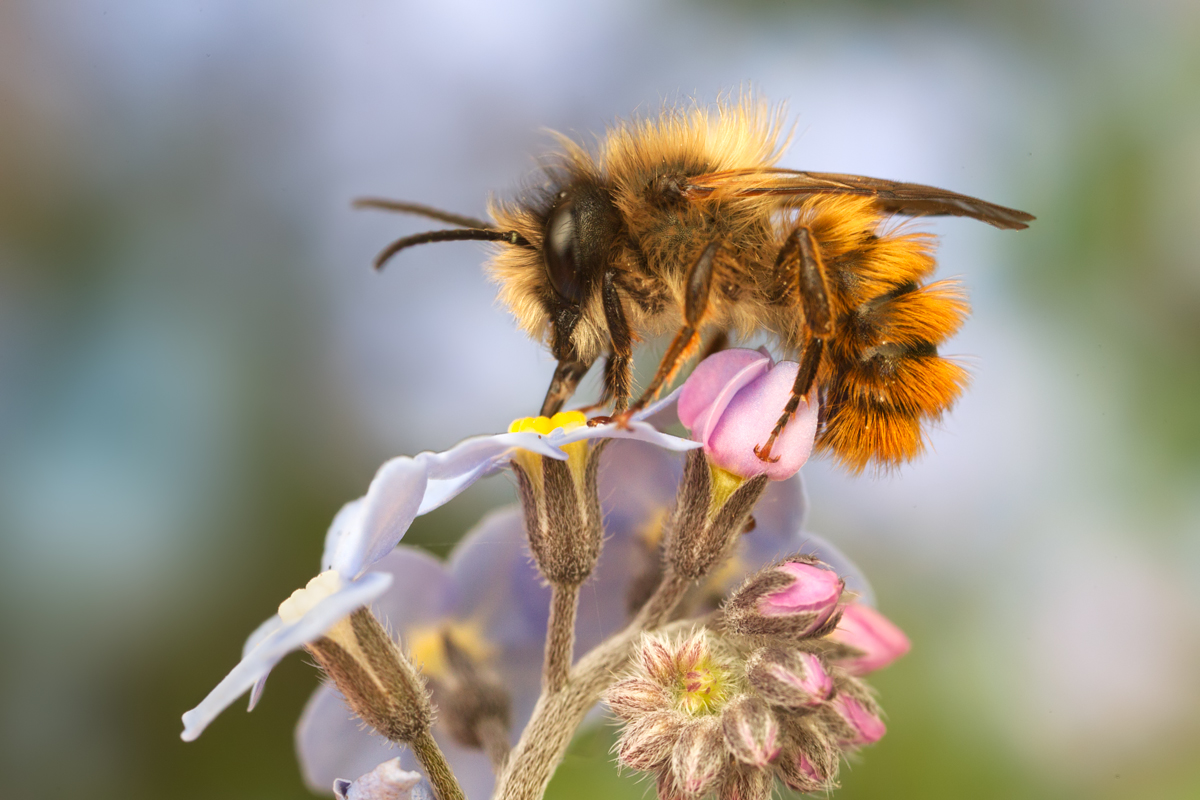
(801, 246)
(695, 304)
(618, 370)
(567, 375)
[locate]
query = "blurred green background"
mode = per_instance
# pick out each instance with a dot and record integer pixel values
(197, 366)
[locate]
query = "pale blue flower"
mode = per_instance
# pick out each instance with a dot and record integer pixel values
(490, 580)
(369, 528)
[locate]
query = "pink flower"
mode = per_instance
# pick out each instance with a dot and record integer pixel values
(870, 632)
(814, 591)
(730, 404)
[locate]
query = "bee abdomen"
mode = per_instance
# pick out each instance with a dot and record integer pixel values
(885, 377)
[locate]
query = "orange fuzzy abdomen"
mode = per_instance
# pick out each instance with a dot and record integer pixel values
(882, 378)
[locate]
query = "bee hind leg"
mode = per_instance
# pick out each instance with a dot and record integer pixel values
(801, 247)
(684, 344)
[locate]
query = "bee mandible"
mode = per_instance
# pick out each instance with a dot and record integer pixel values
(683, 223)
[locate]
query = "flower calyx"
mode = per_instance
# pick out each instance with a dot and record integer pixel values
(379, 682)
(712, 509)
(560, 501)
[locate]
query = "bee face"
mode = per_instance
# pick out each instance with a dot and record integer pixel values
(578, 238)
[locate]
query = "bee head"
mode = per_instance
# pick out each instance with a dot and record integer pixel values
(553, 287)
(578, 235)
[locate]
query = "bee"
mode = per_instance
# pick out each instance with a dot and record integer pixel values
(682, 223)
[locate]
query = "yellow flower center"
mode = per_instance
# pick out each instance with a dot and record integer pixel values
(576, 451)
(703, 689)
(303, 600)
(428, 645)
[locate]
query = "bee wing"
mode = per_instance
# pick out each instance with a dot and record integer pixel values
(912, 199)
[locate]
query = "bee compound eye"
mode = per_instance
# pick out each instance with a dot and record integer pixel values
(560, 249)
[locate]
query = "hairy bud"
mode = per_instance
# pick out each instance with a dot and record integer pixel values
(797, 599)
(751, 731)
(789, 678)
(809, 761)
(860, 722)
(633, 697)
(472, 700)
(648, 742)
(746, 783)
(699, 757)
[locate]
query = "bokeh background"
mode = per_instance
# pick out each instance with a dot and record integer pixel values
(197, 366)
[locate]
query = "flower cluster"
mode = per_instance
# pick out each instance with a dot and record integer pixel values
(629, 545)
(768, 691)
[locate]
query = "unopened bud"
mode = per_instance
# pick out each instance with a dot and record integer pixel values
(789, 678)
(699, 757)
(809, 761)
(656, 657)
(860, 722)
(875, 640)
(751, 731)
(797, 599)
(560, 502)
(633, 697)
(711, 509)
(647, 742)
(743, 782)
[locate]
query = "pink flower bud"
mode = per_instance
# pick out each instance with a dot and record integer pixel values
(814, 590)
(864, 726)
(633, 697)
(731, 402)
(751, 731)
(698, 759)
(878, 640)
(647, 742)
(796, 599)
(789, 678)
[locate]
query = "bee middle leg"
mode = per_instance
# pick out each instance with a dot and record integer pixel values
(695, 305)
(801, 247)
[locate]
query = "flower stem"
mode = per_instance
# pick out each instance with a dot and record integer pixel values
(532, 762)
(437, 769)
(560, 637)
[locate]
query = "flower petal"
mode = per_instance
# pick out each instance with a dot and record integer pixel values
(390, 506)
(252, 641)
(284, 639)
(713, 384)
(452, 471)
(748, 419)
(349, 517)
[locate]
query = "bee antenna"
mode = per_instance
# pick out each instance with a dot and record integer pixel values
(457, 235)
(421, 211)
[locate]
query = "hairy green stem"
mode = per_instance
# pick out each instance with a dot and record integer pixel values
(532, 762)
(437, 769)
(560, 637)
